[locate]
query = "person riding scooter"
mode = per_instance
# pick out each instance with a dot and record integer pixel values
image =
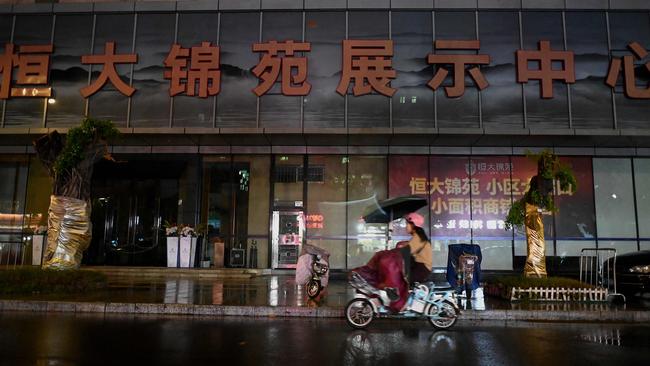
(392, 271)
(417, 252)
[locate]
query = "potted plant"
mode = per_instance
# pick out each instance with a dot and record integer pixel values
(38, 241)
(173, 244)
(538, 200)
(181, 245)
(187, 246)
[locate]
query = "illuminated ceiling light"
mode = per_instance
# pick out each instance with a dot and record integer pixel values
(51, 100)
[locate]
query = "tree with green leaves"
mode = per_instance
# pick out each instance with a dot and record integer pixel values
(537, 200)
(70, 164)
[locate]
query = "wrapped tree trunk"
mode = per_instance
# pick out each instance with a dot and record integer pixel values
(68, 232)
(71, 167)
(536, 247)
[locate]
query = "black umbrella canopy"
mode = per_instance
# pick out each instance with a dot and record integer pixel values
(393, 208)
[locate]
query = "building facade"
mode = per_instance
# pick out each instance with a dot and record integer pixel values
(274, 123)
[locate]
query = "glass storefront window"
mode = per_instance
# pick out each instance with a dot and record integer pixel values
(367, 182)
(614, 198)
(13, 174)
(491, 190)
(251, 176)
(235, 208)
(642, 187)
(326, 217)
(575, 218)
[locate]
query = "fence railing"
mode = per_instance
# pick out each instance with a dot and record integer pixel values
(12, 253)
(598, 268)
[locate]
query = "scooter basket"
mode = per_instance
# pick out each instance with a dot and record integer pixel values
(418, 306)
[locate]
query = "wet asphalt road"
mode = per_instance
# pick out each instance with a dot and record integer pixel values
(68, 339)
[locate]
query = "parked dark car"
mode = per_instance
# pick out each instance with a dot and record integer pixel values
(633, 272)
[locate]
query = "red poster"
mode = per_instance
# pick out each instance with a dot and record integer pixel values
(450, 189)
(408, 175)
(575, 216)
(492, 196)
(523, 169)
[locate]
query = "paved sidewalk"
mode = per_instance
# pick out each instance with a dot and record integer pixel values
(279, 296)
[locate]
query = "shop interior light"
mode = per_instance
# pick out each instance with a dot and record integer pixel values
(51, 100)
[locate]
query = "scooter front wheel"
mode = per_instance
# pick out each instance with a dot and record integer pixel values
(359, 313)
(313, 288)
(443, 318)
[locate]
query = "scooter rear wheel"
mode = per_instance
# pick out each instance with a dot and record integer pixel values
(359, 313)
(447, 315)
(313, 288)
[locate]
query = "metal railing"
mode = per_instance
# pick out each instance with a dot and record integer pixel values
(598, 268)
(12, 253)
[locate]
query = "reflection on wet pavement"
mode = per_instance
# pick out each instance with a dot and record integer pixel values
(257, 291)
(274, 290)
(99, 339)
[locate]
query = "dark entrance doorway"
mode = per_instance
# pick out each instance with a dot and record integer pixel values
(132, 200)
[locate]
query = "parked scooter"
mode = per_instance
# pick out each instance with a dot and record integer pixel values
(319, 269)
(312, 269)
(436, 304)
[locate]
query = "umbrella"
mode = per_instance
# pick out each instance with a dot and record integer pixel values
(393, 208)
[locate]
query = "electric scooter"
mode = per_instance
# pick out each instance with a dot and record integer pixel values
(319, 268)
(436, 304)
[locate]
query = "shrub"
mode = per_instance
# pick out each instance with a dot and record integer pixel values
(36, 280)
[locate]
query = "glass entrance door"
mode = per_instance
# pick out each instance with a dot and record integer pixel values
(287, 232)
(128, 223)
(131, 202)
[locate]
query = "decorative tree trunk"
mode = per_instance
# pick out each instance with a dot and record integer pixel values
(69, 229)
(68, 232)
(536, 247)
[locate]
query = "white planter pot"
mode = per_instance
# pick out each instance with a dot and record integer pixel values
(172, 251)
(188, 251)
(38, 246)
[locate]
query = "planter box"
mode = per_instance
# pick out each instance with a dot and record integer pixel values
(38, 248)
(188, 251)
(173, 246)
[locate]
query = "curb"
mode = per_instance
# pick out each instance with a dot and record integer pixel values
(625, 316)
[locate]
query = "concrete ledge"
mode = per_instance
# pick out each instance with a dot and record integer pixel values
(624, 316)
(90, 307)
(119, 308)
